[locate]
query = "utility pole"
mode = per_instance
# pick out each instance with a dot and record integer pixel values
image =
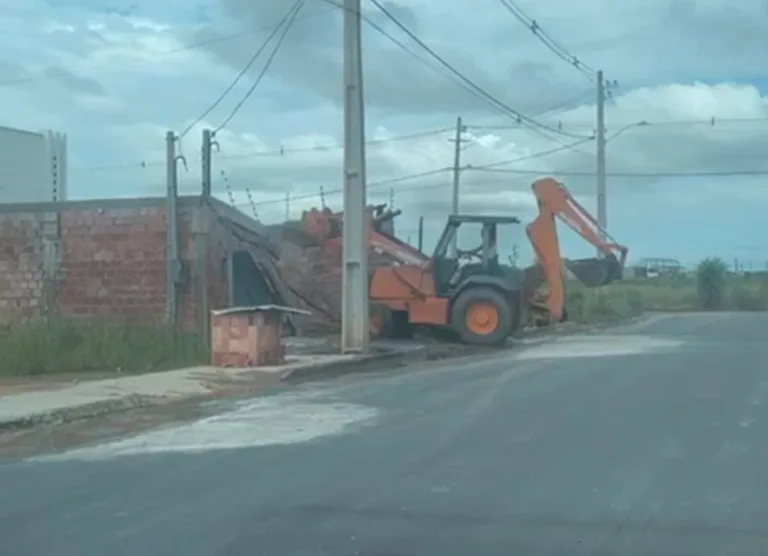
(355, 328)
(421, 234)
(392, 198)
(171, 228)
(205, 164)
(602, 211)
(460, 129)
(287, 206)
(201, 223)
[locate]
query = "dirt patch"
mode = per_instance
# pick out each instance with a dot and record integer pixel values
(53, 438)
(20, 384)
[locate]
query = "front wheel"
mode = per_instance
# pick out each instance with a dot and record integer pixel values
(482, 316)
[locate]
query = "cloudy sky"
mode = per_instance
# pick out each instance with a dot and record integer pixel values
(116, 74)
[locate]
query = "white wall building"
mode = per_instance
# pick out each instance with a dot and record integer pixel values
(33, 166)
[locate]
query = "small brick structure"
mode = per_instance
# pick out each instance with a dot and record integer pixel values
(249, 336)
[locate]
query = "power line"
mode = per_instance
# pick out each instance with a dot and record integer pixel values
(712, 122)
(486, 168)
(273, 152)
(426, 61)
(566, 104)
(729, 173)
(428, 173)
(518, 116)
(191, 46)
(548, 41)
(265, 69)
(325, 148)
(416, 135)
(294, 9)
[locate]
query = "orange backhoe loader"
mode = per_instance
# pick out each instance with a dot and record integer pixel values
(323, 228)
(483, 301)
(555, 201)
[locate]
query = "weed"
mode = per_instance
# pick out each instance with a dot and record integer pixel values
(67, 346)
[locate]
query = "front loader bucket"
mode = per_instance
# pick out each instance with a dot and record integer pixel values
(595, 272)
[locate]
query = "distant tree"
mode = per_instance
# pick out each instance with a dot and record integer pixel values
(711, 281)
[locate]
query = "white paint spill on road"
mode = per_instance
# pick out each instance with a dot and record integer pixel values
(598, 346)
(275, 420)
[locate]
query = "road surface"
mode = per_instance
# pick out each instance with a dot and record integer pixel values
(652, 439)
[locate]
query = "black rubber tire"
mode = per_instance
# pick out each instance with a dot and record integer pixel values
(400, 327)
(485, 295)
(394, 325)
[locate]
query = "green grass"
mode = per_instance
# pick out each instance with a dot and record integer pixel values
(630, 298)
(71, 346)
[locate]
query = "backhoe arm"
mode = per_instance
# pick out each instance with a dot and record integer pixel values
(554, 200)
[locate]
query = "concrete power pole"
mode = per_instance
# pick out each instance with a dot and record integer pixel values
(201, 223)
(460, 128)
(602, 210)
(206, 153)
(287, 206)
(421, 234)
(173, 274)
(355, 327)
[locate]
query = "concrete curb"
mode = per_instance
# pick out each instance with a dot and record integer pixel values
(96, 409)
(359, 365)
(82, 412)
(389, 359)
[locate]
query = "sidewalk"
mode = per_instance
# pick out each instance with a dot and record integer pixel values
(52, 403)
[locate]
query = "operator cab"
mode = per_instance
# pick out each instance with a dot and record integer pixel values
(453, 267)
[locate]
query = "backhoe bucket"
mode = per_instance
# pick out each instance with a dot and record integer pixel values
(595, 272)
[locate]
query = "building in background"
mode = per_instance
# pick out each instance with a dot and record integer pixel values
(33, 166)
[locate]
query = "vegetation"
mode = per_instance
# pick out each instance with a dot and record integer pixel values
(83, 346)
(89, 346)
(712, 288)
(711, 281)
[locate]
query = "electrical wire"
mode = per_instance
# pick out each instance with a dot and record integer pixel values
(712, 122)
(521, 173)
(507, 110)
(374, 142)
(567, 104)
(271, 152)
(324, 148)
(191, 46)
(548, 41)
(294, 9)
(428, 173)
(287, 27)
(425, 61)
(728, 173)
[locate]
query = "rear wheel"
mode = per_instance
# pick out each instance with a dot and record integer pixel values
(482, 316)
(386, 323)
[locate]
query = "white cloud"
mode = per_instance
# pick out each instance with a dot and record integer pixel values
(115, 83)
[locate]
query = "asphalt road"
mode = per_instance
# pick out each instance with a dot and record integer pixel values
(650, 440)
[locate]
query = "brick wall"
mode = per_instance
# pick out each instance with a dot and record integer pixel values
(108, 260)
(112, 263)
(21, 267)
